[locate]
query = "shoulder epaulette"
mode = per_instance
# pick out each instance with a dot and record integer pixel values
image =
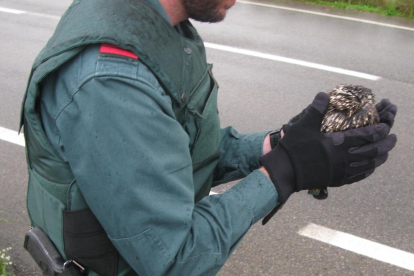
(114, 50)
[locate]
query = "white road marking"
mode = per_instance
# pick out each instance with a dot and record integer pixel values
(12, 136)
(360, 246)
(44, 15)
(292, 61)
(328, 15)
(11, 11)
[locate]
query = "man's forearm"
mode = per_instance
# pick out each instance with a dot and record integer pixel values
(239, 155)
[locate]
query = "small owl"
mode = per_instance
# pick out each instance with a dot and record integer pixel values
(350, 106)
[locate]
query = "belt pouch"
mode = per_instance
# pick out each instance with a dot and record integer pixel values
(86, 242)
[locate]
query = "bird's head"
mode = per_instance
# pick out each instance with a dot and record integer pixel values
(350, 97)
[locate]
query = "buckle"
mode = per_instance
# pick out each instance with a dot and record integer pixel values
(73, 262)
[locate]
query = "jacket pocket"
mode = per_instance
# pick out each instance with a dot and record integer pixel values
(203, 122)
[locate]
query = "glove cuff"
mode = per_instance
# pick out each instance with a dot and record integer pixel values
(281, 172)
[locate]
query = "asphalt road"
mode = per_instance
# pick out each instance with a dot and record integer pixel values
(258, 94)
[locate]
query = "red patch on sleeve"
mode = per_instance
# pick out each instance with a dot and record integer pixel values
(114, 50)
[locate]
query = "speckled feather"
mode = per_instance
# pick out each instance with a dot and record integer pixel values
(350, 106)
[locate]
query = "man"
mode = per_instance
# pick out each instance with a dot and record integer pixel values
(124, 144)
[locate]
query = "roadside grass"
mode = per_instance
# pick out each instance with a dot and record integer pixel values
(401, 8)
(4, 259)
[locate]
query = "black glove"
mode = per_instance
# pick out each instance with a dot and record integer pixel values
(305, 158)
(275, 136)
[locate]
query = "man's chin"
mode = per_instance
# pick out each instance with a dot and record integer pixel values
(213, 10)
(218, 17)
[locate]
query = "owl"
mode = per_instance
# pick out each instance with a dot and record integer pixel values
(350, 106)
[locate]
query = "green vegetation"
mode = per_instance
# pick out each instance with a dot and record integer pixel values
(403, 8)
(4, 261)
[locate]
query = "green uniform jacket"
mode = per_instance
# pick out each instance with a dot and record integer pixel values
(137, 140)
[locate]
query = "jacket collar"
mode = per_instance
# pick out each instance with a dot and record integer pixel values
(156, 5)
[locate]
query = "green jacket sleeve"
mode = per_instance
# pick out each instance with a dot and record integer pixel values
(132, 163)
(239, 154)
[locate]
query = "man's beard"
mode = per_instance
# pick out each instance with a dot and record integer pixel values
(204, 10)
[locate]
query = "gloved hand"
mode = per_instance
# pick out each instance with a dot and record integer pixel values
(305, 158)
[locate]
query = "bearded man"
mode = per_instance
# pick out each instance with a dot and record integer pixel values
(124, 144)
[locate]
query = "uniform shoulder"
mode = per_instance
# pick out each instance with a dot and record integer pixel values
(60, 86)
(115, 61)
(109, 60)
